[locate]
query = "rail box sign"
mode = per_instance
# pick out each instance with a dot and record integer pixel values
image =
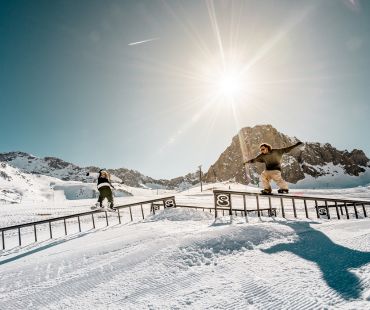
(223, 200)
(322, 211)
(169, 203)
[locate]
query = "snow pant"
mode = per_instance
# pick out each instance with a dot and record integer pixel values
(105, 192)
(275, 175)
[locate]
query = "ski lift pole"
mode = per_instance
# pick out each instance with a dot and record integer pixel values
(200, 178)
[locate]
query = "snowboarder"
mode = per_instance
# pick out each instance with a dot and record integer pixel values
(105, 188)
(272, 159)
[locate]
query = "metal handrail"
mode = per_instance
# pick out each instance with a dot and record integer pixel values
(293, 196)
(226, 204)
(78, 215)
(54, 219)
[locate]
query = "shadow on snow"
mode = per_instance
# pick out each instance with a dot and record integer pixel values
(334, 261)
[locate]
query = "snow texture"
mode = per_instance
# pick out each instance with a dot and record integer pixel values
(184, 259)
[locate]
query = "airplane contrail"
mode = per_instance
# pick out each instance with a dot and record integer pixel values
(140, 42)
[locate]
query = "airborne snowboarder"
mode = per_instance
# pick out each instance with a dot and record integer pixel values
(272, 159)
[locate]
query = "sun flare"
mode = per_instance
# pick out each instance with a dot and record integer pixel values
(230, 85)
(226, 81)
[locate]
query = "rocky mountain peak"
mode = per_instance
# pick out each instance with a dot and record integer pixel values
(313, 159)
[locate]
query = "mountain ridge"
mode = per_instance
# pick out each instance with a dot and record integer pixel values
(56, 167)
(313, 159)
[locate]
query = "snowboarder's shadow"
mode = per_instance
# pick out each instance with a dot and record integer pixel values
(334, 261)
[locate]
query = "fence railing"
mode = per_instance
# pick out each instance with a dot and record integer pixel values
(231, 202)
(31, 232)
(289, 205)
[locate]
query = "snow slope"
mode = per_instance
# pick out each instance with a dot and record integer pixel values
(334, 177)
(17, 186)
(181, 259)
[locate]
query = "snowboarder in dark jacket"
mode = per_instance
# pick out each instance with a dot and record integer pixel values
(105, 188)
(272, 159)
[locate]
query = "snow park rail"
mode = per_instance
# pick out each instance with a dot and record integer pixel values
(289, 205)
(14, 233)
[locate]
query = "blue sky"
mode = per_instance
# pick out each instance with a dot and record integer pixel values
(72, 86)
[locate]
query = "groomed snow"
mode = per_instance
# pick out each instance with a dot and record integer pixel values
(184, 259)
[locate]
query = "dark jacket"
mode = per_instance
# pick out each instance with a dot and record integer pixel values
(272, 159)
(104, 182)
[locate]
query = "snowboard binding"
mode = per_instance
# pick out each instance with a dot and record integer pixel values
(283, 191)
(266, 192)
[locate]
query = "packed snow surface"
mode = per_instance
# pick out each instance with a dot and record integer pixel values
(183, 259)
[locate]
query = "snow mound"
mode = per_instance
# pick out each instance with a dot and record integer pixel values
(180, 214)
(233, 241)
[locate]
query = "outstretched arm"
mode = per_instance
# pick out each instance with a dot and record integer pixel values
(254, 160)
(251, 161)
(289, 148)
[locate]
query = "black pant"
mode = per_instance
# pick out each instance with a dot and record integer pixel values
(105, 192)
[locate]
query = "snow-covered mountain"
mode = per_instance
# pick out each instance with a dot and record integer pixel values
(313, 165)
(58, 168)
(136, 179)
(18, 186)
(24, 177)
(49, 166)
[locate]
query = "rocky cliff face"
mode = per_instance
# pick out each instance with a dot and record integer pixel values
(311, 159)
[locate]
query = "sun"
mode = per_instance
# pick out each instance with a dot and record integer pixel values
(230, 85)
(225, 80)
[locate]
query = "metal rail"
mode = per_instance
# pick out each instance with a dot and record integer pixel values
(163, 201)
(322, 205)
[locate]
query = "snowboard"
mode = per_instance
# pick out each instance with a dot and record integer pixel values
(294, 194)
(273, 194)
(97, 207)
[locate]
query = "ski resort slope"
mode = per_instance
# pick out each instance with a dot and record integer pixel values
(183, 259)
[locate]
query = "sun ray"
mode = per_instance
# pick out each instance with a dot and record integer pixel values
(269, 45)
(189, 29)
(216, 30)
(186, 126)
(221, 80)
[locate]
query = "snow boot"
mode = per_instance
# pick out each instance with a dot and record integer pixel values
(283, 191)
(110, 206)
(266, 191)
